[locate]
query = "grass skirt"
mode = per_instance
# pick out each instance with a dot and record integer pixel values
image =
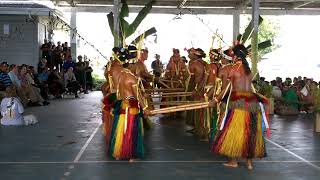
(107, 120)
(126, 140)
(242, 135)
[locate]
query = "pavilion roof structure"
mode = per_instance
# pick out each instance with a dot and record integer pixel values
(268, 7)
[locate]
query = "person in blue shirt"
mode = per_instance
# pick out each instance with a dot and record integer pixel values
(5, 80)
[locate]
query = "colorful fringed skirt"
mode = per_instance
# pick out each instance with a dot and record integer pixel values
(241, 131)
(126, 140)
(107, 120)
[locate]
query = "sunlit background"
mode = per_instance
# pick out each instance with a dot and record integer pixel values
(298, 39)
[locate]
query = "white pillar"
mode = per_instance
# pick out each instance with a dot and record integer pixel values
(116, 10)
(73, 33)
(254, 40)
(236, 23)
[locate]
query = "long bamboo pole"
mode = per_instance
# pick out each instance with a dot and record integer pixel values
(172, 102)
(164, 90)
(165, 80)
(180, 108)
(174, 93)
(164, 84)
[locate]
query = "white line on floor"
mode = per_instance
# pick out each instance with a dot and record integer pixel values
(86, 144)
(295, 155)
(144, 161)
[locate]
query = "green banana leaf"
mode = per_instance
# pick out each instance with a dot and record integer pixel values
(145, 34)
(124, 12)
(262, 45)
(137, 21)
(249, 30)
(111, 22)
(239, 37)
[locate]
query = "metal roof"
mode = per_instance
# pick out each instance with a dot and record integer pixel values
(28, 7)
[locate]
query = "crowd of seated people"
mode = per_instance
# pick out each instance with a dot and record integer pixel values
(23, 81)
(292, 96)
(36, 88)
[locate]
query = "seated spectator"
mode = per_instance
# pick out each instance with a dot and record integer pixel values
(290, 102)
(12, 110)
(55, 83)
(71, 82)
(276, 91)
(42, 83)
(13, 74)
(5, 80)
(42, 65)
(306, 97)
(68, 63)
(31, 91)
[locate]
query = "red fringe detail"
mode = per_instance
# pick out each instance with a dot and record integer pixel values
(201, 114)
(246, 135)
(127, 142)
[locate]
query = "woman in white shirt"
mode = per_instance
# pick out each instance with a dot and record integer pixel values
(12, 110)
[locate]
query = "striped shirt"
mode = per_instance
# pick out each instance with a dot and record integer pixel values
(5, 79)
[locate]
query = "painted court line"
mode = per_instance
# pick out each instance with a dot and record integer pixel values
(145, 161)
(295, 155)
(86, 144)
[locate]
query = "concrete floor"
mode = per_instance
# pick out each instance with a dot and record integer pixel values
(68, 144)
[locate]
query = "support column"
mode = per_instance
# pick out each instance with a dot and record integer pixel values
(116, 30)
(236, 23)
(73, 33)
(254, 40)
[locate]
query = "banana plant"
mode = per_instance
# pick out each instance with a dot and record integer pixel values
(248, 32)
(243, 38)
(127, 29)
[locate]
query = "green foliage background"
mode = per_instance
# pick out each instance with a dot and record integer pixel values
(268, 30)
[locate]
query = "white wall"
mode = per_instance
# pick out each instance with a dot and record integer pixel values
(21, 46)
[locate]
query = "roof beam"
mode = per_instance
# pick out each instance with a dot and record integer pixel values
(182, 4)
(301, 4)
(175, 10)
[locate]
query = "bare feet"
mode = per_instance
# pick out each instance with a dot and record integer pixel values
(249, 164)
(232, 163)
(133, 160)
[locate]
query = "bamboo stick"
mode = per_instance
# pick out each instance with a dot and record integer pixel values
(164, 90)
(179, 108)
(164, 84)
(185, 105)
(173, 93)
(171, 102)
(165, 80)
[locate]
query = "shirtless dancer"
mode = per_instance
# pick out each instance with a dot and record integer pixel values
(211, 87)
(112, 74)
(241, 131)
(176, 70)
(126, 140)
(140, 69)
(197, 69)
